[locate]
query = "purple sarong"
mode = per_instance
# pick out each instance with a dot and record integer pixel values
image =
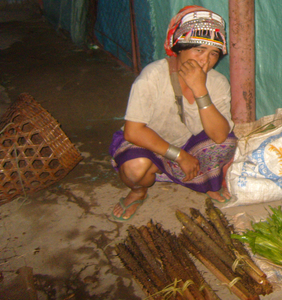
(212, 157)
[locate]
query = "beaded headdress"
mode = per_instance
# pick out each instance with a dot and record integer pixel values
(196, 25)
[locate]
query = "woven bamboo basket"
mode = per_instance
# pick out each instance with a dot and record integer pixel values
(34, 151)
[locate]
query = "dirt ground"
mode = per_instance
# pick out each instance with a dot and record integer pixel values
(65, 233)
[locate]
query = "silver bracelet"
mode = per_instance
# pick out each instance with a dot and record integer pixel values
(172, 152)
(204, 102)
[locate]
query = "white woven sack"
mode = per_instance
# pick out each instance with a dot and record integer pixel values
(255, 176)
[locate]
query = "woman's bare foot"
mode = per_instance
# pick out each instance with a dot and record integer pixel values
(216, 196)
(134, 195)
(220, 197)
(225, 193)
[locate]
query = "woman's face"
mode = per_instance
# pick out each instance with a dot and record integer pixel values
(202, 55)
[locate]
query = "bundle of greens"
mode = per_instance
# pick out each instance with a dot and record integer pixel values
(266, 237)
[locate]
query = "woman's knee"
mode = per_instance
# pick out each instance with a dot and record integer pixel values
(136, 169)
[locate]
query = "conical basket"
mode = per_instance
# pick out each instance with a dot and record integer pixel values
(34, 151)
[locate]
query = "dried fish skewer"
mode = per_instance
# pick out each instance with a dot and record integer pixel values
(216, 261)
(238, 289)
(259, 281)
(209, 229)
(138, 256)
(149, 258)
(194, 229)
(160, 261)
(170, 261)
(215, 219)
(132, 265)
(213, 233)
(148, 239)
(262, 289)
(204, 242)
(197, 277)
(188, 264)
(236, 243)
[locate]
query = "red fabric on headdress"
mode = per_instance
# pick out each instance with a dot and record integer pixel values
(175, 21)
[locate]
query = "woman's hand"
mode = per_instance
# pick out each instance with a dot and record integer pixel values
(194, 76)
(189, 165)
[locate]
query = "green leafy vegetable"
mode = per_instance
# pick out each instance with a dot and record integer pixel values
(266, 237)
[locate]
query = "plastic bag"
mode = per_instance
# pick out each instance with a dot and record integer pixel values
(255, 176)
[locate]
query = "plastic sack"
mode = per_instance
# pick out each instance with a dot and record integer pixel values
(255, 176)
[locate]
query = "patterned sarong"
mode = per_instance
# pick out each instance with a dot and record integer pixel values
(212, 157)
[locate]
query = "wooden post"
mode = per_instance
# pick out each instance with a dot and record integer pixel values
(26, 278)
(134, 40)
(242, 60)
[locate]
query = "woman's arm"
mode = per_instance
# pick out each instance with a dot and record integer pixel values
(214, 123)
(143, 136)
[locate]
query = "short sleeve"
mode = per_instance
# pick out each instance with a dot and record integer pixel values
(140, 102)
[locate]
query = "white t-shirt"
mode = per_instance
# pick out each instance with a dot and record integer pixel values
(152, 102)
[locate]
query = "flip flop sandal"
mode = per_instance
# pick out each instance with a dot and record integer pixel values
(225, 201)
(121, 202)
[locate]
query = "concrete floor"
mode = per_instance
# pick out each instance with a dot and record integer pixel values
(65, 233)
